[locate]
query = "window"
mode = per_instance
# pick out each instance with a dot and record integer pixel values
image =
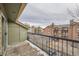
(77, 36)
(64, 32)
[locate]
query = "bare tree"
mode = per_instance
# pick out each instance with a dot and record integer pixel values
(76, 14)
(77, 10)
(71, 13)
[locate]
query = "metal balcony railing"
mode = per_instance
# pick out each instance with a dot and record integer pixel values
(55, 46)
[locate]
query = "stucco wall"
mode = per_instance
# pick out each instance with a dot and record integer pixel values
(23, 34)
(0, 31)
(16, 33)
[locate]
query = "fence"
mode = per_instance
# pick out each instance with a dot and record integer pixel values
(55, 46)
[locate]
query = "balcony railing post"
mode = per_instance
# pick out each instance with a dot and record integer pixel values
(42, 43)
(62, 48)
(49, 47)
(27, 36)
(67, 47)
(58, 46)
(46, 45)
(54, 46)
(73, 48)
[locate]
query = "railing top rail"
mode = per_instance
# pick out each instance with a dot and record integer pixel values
(67, 39)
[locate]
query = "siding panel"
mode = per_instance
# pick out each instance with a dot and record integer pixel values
(13, 33)
(16, 33)
(23, 34)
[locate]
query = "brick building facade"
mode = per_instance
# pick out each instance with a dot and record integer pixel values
(67, 30)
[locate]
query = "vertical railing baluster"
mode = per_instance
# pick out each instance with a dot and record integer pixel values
(49, 45)
(46, 44)
(67, 47)
(36, 40)
(62, 48)
(54, 46)
(73, 48)
(58, 47)
(42, 43)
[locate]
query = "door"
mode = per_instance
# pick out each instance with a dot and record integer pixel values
(4, 34)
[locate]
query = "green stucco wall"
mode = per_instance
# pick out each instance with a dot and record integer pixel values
(0, 32)
(23, 34)
(16, 33)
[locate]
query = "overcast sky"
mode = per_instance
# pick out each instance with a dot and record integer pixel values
(43, 14)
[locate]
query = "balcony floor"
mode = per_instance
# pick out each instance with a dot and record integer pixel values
(24, 49)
